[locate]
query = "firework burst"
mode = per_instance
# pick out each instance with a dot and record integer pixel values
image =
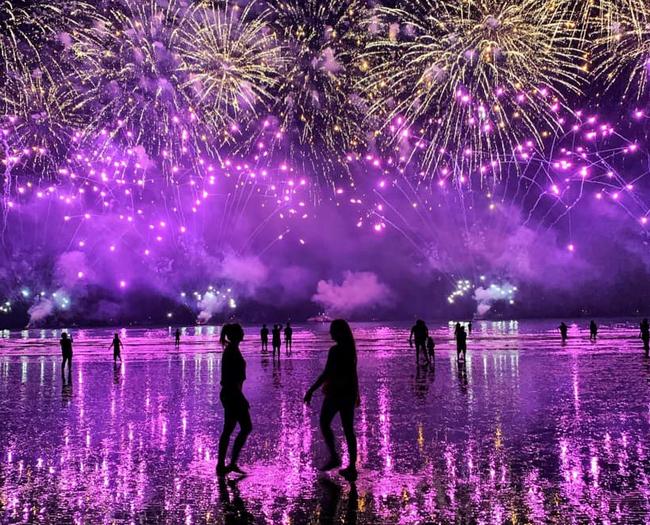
(232, 62)
(473, 78)
(318, 105)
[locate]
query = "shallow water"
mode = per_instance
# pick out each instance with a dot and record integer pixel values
(530, 431)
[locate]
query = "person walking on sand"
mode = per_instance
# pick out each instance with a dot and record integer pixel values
(116, 344)
(564, 330)
(645, 335)
(288, 338)
(419, 334)
(461, 344)
(235, 404)
(66, 352)
(264, 336)
(593, 330)
(341, 395)
(177, 338)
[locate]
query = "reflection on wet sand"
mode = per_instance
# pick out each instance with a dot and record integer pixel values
(526, 431)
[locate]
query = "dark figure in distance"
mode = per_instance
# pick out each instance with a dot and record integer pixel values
(563, 331)
(235, 405)
(66, 351)
(461, 343)
(645, 335)
(593, 330)
(456, 330)
(177, 338)
(431, 349)
(341, 390)
(469, 327)
(276, 342)
(116, 344)
(264, 335)
(419, 334)
(288, 338)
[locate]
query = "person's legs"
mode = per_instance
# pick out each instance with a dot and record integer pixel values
(245, 428)
(347, 420)
(229, 422)
(65, 359)
(327, 413)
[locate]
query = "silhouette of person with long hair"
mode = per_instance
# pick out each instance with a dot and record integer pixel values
(235, 404)
(276, 343)
(264, 336)
(564, 331)
(645, 335)
(177, 338)
(222, 336)
(66, 352)
(461, 343)
(341, 390)
(116, 345)
(593, 330)
(419, 334)
(288, 338)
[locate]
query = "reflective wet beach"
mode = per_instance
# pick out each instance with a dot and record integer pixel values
(530, 431)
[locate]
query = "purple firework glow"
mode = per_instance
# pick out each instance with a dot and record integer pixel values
(144, 182)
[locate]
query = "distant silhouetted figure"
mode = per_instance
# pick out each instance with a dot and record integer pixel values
(341, 389)
(564, 329)
(469, 327)
(264, 335)
(461, 343)
(288, 338)
(177, 338)
(593, 330)
(235, 405)
(66, 351)
(431, 349)
(276, 341)
(645, 335)
(116, 345)
(456, 330)
(419, 334)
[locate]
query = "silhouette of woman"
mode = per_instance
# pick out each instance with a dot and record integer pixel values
(66, 351)
(235, 405)
(419, 334)
(341, 389)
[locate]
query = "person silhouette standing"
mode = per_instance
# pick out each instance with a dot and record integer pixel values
(469, 327)
(419, 334)
(461, 344)
(276, 343)
(177, 338)
(341, 395)
(593, 330)
(288, 338)
(116, 344)
(235, 404)
(564, 329)
(66, 351)
(264, 336)
(645, 335)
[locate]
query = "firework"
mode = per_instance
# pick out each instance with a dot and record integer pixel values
(473, 78)
(622, 51)
(232, 62)
(128, 69)
(320, 111)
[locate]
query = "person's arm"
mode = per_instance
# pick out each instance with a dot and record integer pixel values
(321, 379)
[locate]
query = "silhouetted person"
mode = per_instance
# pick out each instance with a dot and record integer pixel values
(276, 342)
(431, 349)
(264, 335)
(469, 327)
(116, 345)
(288, 337)
(461, 343)
(564, 329)
(341, 390)
(235, 405)
(177, 338)
(66, 352)
(593, 330)
(419, 334)
(645, 335)
(456, 330)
